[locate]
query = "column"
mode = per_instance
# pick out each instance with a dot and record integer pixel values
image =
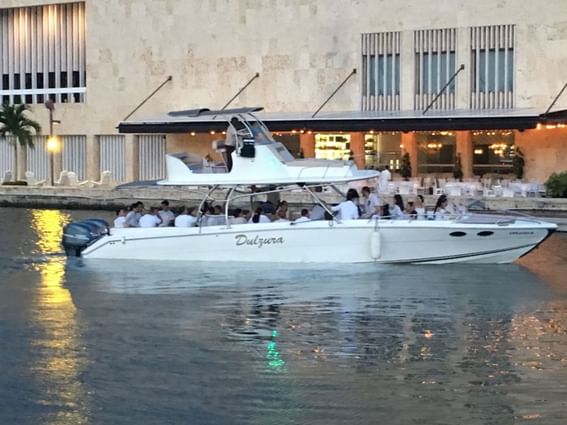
(132, 158)
(357, 148)
(465, 148)
(307, 144)
(409, 143)
(93, 158)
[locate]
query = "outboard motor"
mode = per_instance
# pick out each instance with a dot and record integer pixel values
(78, 235)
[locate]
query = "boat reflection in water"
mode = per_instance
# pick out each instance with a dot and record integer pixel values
(61, 358)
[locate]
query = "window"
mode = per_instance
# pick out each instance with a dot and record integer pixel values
(493, 151)
(436, 151)
(381, 71)
(435, 65)
(383, 149)
(34, 33)
(492, 69)
(332, 146)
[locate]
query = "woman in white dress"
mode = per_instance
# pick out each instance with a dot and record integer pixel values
(419, 207)
(397, 209)
(440, 210)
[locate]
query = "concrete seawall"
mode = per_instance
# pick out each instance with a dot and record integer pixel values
(111, 199)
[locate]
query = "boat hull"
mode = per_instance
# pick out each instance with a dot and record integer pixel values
(356, 241)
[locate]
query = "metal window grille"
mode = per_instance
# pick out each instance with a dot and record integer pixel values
(434, 65)
(381, 71)
(492, 67)
(37, 158)
(74, 155)
(42, 54)
(113, 156)
(7, 156)
(151, 157)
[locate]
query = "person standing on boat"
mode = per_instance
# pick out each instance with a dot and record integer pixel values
(231, 141)
(348, 210)
(371, 201)
(134, 215)
(150, 218)
(166, 215)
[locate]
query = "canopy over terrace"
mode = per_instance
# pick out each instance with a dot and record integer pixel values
(359, 121)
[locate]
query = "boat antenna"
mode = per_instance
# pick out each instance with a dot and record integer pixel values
(257, 75)
(461, 68)
(148, 98)
(335, 92)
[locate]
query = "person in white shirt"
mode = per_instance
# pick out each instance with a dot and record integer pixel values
(440, 210)
(239, 217)
(150, 219)
(186, 218)
(259, 217)
(420, 207)
(281, 217)
(397, 209)
(317, 213)
(384, 179)
(120, 219)
(166, 215)
(304, 216)
(348, 210)
(370, 202)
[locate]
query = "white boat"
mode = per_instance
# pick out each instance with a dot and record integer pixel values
(259, 160)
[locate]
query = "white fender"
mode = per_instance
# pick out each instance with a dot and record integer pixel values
(375, 245)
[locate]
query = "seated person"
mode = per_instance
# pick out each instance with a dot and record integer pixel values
(120, 219)
(317, 212)
(281, 217)
(186, 218)
(304, 216)
(239, 217)
(150, 218)
(259, 217)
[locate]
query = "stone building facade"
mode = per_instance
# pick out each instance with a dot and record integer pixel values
(99, 59)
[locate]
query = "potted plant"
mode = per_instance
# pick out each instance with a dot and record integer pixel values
(14, 122)
(556, 185)
(405, 166)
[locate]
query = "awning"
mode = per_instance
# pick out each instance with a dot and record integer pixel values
(509, 119)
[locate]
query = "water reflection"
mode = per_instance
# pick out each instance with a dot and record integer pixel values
(61, 358)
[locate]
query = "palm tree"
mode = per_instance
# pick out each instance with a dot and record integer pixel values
(14, 122)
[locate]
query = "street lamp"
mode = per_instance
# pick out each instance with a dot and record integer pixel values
(52, 142)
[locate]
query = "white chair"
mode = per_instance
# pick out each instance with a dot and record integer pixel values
(507, 192)
(74, 181)
(8, 176)
(31, 180)
(453, 190)
(63, 179)
(105, 180)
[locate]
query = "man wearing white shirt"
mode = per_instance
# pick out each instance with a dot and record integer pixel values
(348, 210)
(186, 218)
(150, 219)
(371, 201)
(304, 216)
(384, 179)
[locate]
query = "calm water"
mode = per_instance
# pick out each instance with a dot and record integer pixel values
(154, 343)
